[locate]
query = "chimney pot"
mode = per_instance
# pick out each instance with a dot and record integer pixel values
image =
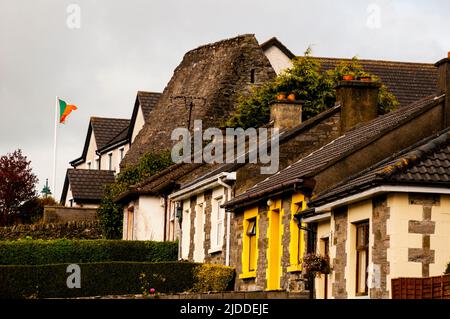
(359, 102)
(285, 113)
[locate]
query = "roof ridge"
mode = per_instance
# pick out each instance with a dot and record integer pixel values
(376, 61)
(108, 118)
(222, 42)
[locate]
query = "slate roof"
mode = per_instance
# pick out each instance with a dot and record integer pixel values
(336, 149)
(425, 163)
(107, 129)
(148, 101)
(86, 185)
(408, 81)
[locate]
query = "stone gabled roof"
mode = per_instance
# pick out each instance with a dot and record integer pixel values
(337, 149)
(206, 86)
(426, 163)
(408, 81)
(87, 185)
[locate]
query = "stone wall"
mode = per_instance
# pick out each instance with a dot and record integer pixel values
(69, 230)
(206, 86)
(62, 214)
(339, 263)
(380, 215)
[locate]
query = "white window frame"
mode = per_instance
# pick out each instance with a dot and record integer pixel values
(217, 225)
(121, 153)
(110, 161)
(97, 163)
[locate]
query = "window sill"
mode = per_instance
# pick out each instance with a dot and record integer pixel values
(294, 268)
(248, 275)
(215, 250)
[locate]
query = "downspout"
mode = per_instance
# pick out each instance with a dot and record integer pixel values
(228, 231)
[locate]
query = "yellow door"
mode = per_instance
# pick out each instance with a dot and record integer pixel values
(274, 249)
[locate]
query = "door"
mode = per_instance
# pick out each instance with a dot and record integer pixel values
(274, 249)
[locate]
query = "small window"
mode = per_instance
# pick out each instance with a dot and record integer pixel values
(362, 257)
(88, 165)
(252, 76)
(97, 163)
(122, 153)
(110, 161)
(251, 233)
(71, 202)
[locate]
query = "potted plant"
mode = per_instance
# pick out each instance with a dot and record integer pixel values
(316, 264)
(291, 97)
(348, 77)
(281, 96)
(363, 76)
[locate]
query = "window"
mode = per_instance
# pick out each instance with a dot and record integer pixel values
(71, 202)
(252, 76)
(122, 153)
(97, 163)
(88, 165)
(362, 257)
(110, 161)
(217, 225)
(251, 234)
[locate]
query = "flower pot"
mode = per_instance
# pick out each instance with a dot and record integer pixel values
(291, 97)
(448, 54)
(281, 96)
(365, 78)
(348, 77)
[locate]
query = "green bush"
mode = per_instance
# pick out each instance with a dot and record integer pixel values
(447, 271)
(97, 279)
(38, 252)
(213, 278)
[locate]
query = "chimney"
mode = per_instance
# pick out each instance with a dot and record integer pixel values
(443, 67)
(359, 102)
(285, 113)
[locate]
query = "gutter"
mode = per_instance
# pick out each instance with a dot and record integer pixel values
(378, 190)
(111, 147)
(201, 186)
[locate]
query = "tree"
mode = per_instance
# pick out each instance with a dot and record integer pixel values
(17, 184)
(309, 84)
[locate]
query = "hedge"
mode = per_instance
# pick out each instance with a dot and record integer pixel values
(113, 278)
(38, 252)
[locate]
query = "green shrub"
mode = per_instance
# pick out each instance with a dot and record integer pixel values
(213, 278)
(114, 278)
(38, 252)
(447, 271)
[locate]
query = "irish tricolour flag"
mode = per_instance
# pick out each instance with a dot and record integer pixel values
(64, 110)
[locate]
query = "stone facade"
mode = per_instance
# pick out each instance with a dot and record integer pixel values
(380, 216)
(339, 263)
(425, 227)
(205, 86)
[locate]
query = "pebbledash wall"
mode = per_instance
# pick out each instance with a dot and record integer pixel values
(409, 237)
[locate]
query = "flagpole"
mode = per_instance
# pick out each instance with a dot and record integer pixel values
(54, 149)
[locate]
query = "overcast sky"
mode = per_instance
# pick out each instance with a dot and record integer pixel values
(125, 46)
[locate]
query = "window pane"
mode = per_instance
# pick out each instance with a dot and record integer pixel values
(362, 268)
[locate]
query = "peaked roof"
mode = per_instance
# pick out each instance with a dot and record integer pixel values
(277, 43)
(427, 162)
(336, 149)
(408, 81)
(87, 185)
(148, 101)
(107, 132)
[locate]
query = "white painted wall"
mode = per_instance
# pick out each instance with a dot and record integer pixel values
(277, 59)
(199, 233)
(186, 229)
(90, 154)
(138, 124)
(323, 231)
(115, 158)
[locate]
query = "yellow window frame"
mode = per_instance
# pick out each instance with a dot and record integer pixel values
(297, 241)
(249, 215)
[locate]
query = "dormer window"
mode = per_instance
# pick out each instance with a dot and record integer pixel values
(110, 161)
(252, 76)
